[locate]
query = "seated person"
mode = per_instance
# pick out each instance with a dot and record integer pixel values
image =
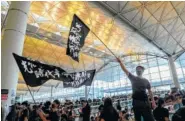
(180, 113)
(161, 113)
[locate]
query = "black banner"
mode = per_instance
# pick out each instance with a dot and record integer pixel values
(77, 35)
(80, 79)
(36, 73)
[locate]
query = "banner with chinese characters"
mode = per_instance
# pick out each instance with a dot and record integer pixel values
(36, 73)
(80, 79)
(77, 35)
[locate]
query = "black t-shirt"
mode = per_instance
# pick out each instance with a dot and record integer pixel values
(63, 117)
(160, 114)
(86, 111)
(53, 116)
(139, 86)
(34, 116)
(70, 118)
(179, 115)
(24, 113)
(46, 110)
(119, 107)
(100, 108)
(110, 114)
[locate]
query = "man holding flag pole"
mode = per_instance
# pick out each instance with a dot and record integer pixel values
(141, 104)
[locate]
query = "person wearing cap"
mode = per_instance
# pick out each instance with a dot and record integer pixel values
(141, 104)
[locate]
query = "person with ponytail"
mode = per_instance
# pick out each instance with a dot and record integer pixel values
(161, 113)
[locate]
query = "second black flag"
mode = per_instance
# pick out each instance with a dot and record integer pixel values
(77, 35)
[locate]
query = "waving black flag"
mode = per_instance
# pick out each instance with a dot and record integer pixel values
(36, 73)
(77, 35)
(80, 79)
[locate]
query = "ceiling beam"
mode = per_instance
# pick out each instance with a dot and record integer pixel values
(111, 11)
(176, 56)
(165, 29)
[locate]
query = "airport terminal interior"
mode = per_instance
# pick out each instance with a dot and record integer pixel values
(147, 34)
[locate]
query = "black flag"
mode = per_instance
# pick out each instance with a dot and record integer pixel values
(77, 35)
(36, 73)
(80, 79)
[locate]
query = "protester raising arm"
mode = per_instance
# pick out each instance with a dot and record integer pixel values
(123, 67)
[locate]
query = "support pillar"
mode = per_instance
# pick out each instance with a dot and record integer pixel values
(86, 92)
(173, 72)
(51, 96)
(12, 42)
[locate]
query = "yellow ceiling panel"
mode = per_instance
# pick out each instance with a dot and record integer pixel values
(53, 54)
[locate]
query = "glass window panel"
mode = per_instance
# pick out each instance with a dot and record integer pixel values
(177, 64)
(180, 76)
(153, 69)
(183, 63)
(166, 78)
(146, 71)
(155, 75)
(162, 61)
(179, 71)
(164, 68)
(183, 70)
(156, 80)
(152, 63)
(165, 74)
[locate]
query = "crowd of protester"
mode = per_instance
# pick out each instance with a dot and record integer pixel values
(172, 104)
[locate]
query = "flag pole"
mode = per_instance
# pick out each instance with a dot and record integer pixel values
(31, 93)
(105, 45)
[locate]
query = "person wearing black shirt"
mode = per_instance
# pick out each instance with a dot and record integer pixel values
(70, 114)
(64, 114)
(33, 114)
(161, 113)
(24, 112)
(54, 114)
(86, 111)
(46, 108)
(109, 113)
(12, 114)
(180, 113)
(119, 106)
(141, 105)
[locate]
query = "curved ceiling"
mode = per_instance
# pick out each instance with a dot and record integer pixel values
(162, 23)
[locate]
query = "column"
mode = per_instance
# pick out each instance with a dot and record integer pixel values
(173, 72)
(51, 96)
(12, 42)
(86, 92)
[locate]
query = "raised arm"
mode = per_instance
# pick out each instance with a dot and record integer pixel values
(123, 67)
